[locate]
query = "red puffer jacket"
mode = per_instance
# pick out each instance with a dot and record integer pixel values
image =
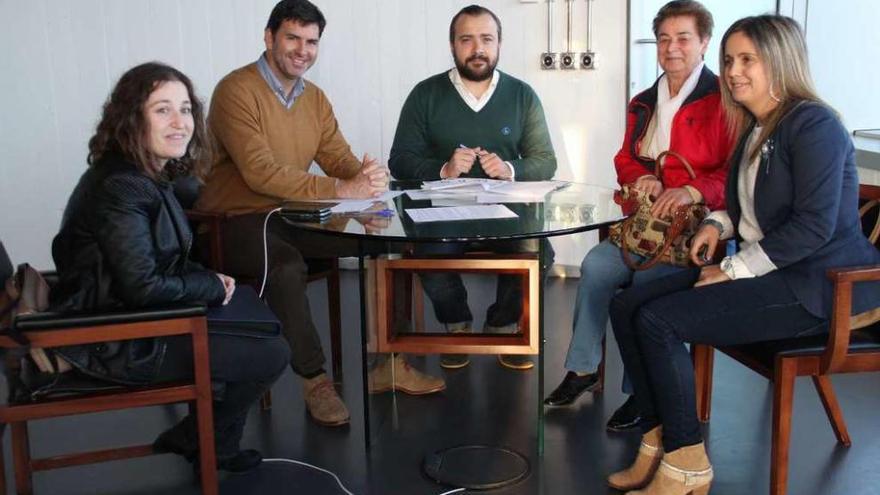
(699, 133)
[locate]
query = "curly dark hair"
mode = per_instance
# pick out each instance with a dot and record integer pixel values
(123, 126)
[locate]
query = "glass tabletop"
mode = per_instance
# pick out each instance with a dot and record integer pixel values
(572, 208)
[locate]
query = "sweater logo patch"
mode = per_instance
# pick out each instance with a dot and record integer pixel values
(505, 131)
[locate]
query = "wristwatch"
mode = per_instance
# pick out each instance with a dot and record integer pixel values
(727, 267)
(715, 223)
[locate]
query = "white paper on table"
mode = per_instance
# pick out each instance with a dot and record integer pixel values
(420, 194)
(352, 206)
(464, 182)
(455, 213)
(532, 191)
(345, 205)
(454, 201)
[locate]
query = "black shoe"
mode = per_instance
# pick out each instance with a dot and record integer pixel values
(571, 388)
(176, 440)
(626, 417)
(240, 462)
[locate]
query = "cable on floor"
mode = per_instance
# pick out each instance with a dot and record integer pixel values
(338, 481)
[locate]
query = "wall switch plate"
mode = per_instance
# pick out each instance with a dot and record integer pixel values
(568, 61)
(588, 60)
(548, 61)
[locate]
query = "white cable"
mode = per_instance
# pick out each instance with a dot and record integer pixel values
(266, 251)
(338, 481)
(291, 461)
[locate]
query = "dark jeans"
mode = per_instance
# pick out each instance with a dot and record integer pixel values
(242, 369)
(285, 291)
(653, 321)
(449, 295)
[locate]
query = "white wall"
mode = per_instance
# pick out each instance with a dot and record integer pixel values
(61, 58)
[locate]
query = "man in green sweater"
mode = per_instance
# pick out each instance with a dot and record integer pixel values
(473, 121)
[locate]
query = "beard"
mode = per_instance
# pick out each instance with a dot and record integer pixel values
(472, 74)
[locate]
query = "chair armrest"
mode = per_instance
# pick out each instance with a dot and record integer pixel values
(52, 321)
(840, 325)
(854, 274)
(56, 330)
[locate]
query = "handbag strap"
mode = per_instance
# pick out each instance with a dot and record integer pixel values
(661, 162)
(679, 219)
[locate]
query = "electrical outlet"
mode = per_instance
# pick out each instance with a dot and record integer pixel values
(548, 61)
(588, 60)
(568, 61)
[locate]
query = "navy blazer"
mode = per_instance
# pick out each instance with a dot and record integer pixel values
(806, 203)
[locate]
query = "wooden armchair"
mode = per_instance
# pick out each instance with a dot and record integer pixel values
(851, 346)
(211, 235)
(209, 228)
(47, 330)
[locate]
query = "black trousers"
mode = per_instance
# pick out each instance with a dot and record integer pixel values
(242, 369)
(653, 321)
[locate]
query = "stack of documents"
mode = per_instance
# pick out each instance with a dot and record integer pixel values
(453, 213)
(487, 190)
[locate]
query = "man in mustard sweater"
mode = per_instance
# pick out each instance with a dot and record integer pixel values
(474, 121)
(269, 125)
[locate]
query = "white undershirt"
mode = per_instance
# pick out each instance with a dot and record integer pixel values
(751, 260)
(660, 127)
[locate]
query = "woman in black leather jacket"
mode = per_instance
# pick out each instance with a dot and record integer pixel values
(125, 242)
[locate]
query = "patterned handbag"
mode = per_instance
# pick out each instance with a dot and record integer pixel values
(658, 240)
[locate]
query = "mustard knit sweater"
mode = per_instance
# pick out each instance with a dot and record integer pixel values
(264, 150)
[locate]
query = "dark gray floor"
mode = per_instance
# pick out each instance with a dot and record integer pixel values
(483, 404)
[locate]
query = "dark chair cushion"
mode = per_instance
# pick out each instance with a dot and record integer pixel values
(864, 340)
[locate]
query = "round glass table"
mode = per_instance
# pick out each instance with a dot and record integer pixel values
(387, 229)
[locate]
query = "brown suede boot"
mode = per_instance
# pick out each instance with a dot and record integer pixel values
(395, 373)
(323, 403)
(685, 471)
(642, 470)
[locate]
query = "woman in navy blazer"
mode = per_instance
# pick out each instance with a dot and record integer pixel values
(791, 195)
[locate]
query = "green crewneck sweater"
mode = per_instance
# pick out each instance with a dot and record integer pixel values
(435, 120)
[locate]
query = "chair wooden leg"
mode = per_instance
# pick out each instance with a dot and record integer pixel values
(418, 304)
(333, 307)
(2, 462)
(703, 357)
(783, 397)
(21, 459)
(832, 408)
(601, 370)
(266, 400)
(204, 412)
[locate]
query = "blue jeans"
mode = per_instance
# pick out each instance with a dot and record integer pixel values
(653, 321)
(449, 296)
(603, 272)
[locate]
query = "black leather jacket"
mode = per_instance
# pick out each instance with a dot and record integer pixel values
(124, 243)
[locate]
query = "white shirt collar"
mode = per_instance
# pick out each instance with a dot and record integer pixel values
(475, 104)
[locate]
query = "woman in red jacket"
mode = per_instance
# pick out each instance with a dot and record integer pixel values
(681, 112)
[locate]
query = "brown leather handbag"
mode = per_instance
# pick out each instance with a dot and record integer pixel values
(658, 240)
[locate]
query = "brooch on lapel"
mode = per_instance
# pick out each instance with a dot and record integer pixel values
(767, 148)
